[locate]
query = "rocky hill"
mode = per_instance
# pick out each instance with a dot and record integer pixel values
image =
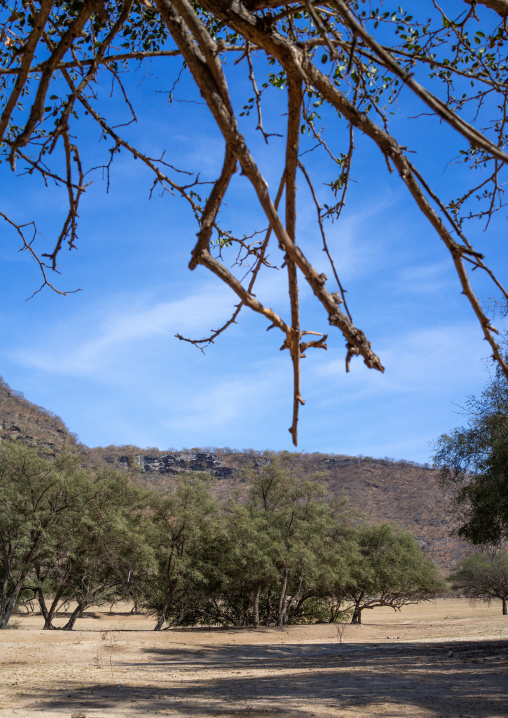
(20, 419)
(381, 489)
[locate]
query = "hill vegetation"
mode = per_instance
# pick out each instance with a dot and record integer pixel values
(280, 552)
(34, 425)
(384, 490)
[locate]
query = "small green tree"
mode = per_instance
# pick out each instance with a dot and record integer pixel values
(305, 530)
(483, 576)
(291, 511)
(389, 570)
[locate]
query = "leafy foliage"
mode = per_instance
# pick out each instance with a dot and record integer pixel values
(483, 576)
(390, 570)
(282, 555)
(474, 460)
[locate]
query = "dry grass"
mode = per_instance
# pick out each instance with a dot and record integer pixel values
(436, 660)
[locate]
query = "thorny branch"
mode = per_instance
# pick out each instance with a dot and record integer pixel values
(295, 98)
(259, 263)
(73, 44)
(27, 247)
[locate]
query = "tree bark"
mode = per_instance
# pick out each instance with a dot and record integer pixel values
(282, 599)
(77, 613)
(357, 613)
(499, 6)
(255, 606)
(9, 608)
(42, 603)
(162, 616)
(48, 623)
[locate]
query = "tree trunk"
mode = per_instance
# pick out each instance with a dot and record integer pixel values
(294, 600)
(42, 603)
(5, 585)
(357, 613)
(48, 623)
(357, 616)
(11, 603)
(77, 613)
(162, 616)
(505, 612)
(255, 606)
(282, 599)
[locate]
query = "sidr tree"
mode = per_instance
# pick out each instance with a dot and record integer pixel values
(358, 79)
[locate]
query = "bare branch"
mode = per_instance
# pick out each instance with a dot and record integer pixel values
(259, 262)
(499, 6)
(174, 14)
(295, 98)
(295, 60)
(27, 247)
(37, 109)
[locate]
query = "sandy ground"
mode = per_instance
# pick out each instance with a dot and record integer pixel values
(436, 660)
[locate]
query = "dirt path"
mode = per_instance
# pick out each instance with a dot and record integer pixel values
(438, 660)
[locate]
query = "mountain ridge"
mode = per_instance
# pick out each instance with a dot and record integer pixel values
(403, 492)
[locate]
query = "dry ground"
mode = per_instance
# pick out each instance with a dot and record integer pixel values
(436, 660)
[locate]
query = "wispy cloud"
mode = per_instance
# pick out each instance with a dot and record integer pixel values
(82, 348)
(220, 403)
(425, 278)
(423, 361)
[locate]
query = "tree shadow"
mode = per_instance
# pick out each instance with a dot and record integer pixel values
(466, 679)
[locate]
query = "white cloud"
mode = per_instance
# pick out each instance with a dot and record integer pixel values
(94, 349)
(425, 361)
(427, 278)
(216, 405)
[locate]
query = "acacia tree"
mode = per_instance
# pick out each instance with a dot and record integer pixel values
(389, 570)
(306, 540)
(352, 57)
(483, 576)
(102, 544)
(270, 558)
(181, 521)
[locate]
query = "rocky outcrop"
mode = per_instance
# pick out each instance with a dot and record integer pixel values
(176, 463)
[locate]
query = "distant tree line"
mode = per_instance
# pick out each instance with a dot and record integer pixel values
(280, 553)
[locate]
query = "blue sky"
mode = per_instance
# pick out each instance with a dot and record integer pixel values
(106, 359)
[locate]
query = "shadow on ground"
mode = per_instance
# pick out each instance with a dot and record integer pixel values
(460, 679)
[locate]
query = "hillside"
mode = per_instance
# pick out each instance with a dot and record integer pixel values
(20, 419)
(381, 489)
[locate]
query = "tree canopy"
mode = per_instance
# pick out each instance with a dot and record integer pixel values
(280, 553)
(474, 465)
(483, 576)
(390, 570)
(352, 72)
